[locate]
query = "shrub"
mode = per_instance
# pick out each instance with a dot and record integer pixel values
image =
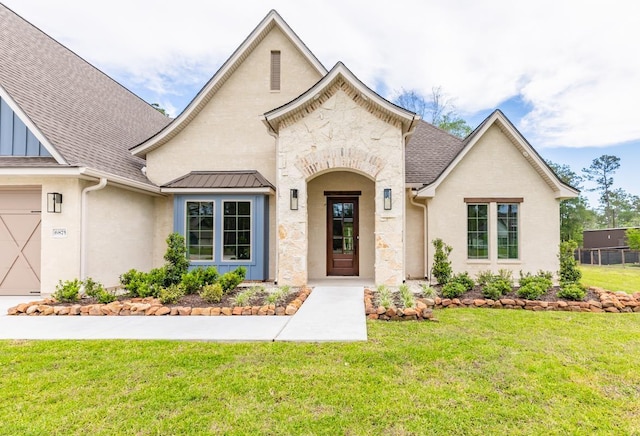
(496, 288)
(241, 271)
(242, 299)
(453, 290)
(384, 297)
(279, 295)
(194, 280)
(441, 264)
(176, 257)
(105, 297)
(230, 280)
(506, 275)
(171, 294)
(140, 284)
(572, 291)
(212, 293)
(464, 279)
(483, 278)
(92, 288)
(407, 297)
(428, 291)
(533, 287)
(67, 292)
(569, 272)
(531, 291)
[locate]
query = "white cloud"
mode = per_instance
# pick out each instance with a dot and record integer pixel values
(574, 63)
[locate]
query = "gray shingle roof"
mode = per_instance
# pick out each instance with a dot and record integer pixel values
(429, 151)
(20, 162)
(221, 179)
(88, 117)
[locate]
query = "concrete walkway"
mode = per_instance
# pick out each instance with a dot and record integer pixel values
(329, 314)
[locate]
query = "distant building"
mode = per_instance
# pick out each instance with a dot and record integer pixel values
(606, 238)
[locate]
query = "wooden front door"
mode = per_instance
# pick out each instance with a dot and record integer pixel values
(342, 236)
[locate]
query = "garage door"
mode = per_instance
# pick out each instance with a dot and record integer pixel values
(20, 241)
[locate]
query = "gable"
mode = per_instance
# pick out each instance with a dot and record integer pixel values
(497, 122)
(272, 23)
(228, 125)
(16, 139)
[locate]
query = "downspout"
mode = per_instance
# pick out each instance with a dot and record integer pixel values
(272, 132)
(83, 224)
(426, 239)
(412, 128)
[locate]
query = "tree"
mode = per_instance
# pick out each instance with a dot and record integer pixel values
(439, 109)
(633, 238)
(625, 208)
(157, 107)
(575, 215)
(601, 172)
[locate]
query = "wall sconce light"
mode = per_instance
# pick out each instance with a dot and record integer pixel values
(54, 202)
(293, 199)
(387, 199)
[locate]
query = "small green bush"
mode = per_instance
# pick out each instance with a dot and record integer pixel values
(212, 293)
(569, 272)
(195, 279)
(453, 290)
(464, 279)
(539, 280)
(171, 294)
(572, 291)
(428, 291)
(278, 295)
(242, 299)
(496, 288)
(483, 278)
(384, 297)
(534, 288)
(407, 297)
(176, 257)
(96, 290)
(230, 280)
(68, 292)
(92, 288)
(506, 275)
(441, 264)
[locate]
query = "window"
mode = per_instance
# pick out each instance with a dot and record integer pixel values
(477, 231)
(199, 225)
(275, 71)
(507, 231)
(236, 230)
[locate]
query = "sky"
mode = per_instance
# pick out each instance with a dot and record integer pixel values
(565, 72)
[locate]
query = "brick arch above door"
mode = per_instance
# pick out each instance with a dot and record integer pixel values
(351, 158)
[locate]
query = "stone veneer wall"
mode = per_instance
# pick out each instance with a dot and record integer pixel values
(340, 134)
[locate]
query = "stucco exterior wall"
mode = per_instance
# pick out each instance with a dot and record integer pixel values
(340, 134)
(60, 257)
(317, 206)
(163, 226)
(494, 167)
(228, 133)
(120, 233)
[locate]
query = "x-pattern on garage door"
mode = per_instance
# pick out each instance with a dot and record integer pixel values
(19, 242)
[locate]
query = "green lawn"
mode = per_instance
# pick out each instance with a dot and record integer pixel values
(613, 278)
(475, 372)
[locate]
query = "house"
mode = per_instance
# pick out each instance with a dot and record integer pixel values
(282, 166)
(606, 238)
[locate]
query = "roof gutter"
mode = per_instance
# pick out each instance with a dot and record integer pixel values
(119, 180)
(83, 225)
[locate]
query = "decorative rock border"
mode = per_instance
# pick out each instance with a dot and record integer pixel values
(421, 312)
(610, 302)
(151, 307)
